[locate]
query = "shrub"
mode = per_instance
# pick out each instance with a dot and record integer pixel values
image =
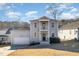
(34, 43)
(54, 40)
(76, 39)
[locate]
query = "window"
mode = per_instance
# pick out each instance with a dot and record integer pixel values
(43, 24)
(35, 34)
(35, 25)
(52, 24)
(52, 34)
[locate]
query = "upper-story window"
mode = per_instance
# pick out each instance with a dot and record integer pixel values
(52, 24)
(43, 24)
(35, 25)
(35, 34)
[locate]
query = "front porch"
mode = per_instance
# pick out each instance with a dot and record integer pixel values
(44, 38)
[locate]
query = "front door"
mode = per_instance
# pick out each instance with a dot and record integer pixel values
(44, 37)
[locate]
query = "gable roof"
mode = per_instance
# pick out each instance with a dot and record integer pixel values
(43, 18)
(72, 25)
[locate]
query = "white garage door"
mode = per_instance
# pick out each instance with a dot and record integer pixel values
(20, 40)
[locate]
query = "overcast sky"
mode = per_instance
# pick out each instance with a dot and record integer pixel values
(30, 11)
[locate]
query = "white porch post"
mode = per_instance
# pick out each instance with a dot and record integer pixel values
(48, 30)
(39, 32)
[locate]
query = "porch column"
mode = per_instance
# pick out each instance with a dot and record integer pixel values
(48, 31)
(39, 32)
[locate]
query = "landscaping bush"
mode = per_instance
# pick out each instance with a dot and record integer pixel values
(54, 40)
(76, 39)
(34, 43)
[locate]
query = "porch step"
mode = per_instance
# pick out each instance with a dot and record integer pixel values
(44, 43)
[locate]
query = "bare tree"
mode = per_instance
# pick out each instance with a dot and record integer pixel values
(55, 9)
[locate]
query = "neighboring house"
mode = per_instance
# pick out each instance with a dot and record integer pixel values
(4, 39)
(69, 31)
(5, 36)
(42, 29)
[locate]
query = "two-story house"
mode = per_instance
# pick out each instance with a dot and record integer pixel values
(42, 29)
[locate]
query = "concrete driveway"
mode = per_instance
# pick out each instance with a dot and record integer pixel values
(4, 51)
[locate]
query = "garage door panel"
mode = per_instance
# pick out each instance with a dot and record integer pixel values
(20, 40)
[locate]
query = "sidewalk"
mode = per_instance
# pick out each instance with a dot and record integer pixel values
(4, 51)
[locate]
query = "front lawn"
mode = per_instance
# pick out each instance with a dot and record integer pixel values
(42, 52)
